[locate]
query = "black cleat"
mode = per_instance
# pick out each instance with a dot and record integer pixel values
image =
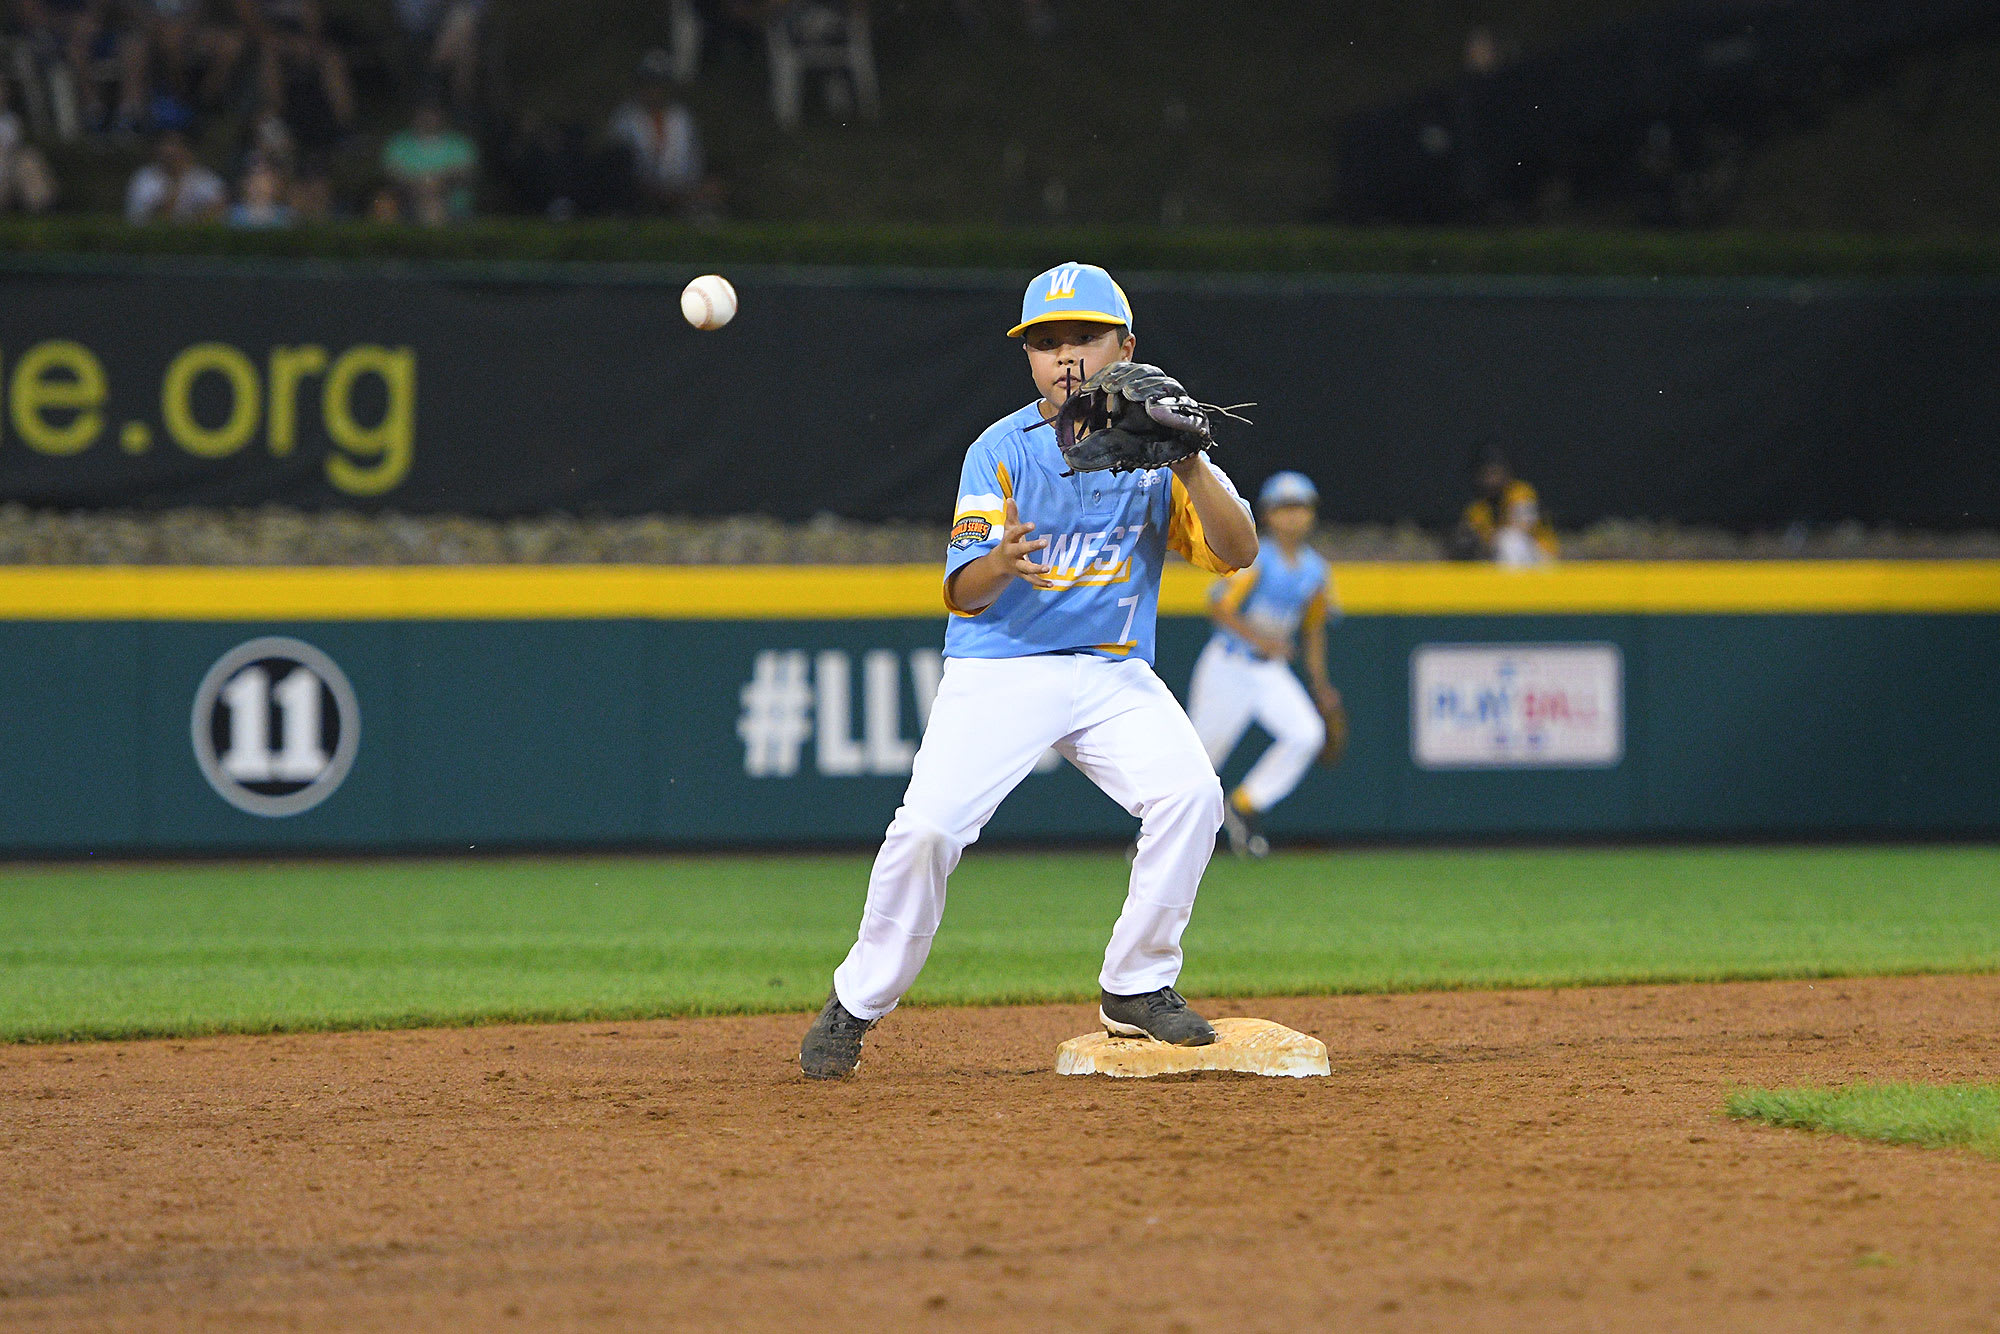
(1160, 1015)
(832, 1046)
(1246, 838)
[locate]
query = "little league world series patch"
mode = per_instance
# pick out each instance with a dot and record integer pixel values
(969, 531)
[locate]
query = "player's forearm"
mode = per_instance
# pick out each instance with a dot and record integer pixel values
(1235, 625)
(1231, 533)
(1315, 657)
(974, 585)
(1270, 646)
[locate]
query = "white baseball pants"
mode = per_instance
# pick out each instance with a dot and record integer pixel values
(1228, 691)
(993, 717)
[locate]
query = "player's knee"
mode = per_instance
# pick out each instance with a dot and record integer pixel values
(1205, 802)
(926, 837)
(1311, 735)
(1199, 801)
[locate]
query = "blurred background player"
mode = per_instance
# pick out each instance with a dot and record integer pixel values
(1263, 616)
(1504, 522)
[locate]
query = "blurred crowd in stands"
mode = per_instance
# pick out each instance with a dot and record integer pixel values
(263, 113)
(402, 109)
(1661, 111)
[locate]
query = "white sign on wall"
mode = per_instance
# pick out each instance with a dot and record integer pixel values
(1517, 705)
(800, 712)
(275, 726)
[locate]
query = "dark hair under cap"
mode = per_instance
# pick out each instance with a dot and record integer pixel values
(1486, 452)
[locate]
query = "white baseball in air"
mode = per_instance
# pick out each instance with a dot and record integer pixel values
(709, 302)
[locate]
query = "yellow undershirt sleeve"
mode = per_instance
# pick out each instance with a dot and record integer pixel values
(1314, 615)
(1234, 591)
(1185, 537)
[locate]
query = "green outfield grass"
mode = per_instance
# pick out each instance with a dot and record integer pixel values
(128, 950)
(1932, 1115)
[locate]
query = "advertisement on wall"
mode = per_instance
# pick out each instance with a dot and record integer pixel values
(799, 712)
(460, 734)
(455, 390)
(1488, 706)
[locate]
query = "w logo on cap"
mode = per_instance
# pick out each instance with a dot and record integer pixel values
(1062, 282)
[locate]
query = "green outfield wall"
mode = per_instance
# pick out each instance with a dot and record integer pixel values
(152, 710)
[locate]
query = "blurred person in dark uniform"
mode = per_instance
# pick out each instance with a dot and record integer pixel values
(185, 35)
(82, 34)
(261, 197)
(441, 40)
(669, 172)
(26, 182)
(175, 186)
(1504, 522)
(301, 73)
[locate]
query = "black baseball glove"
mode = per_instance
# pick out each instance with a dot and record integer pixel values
(1130, 416)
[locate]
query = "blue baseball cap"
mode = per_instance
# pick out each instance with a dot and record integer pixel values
(1073, 291)
(1287, 488)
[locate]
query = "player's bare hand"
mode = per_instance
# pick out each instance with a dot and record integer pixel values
(1275, 646)
(1326, 696)
(1016, 551)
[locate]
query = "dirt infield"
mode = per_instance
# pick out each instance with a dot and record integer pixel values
(1513, 1160)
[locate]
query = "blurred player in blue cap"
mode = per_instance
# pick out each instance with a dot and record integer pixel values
(1266, 615)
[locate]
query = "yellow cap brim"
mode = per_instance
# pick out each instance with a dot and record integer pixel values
(1085, 316)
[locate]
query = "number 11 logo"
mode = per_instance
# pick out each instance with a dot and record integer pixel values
(275, 726)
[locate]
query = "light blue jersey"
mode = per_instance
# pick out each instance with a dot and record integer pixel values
(1276, 596)
(1109, 534)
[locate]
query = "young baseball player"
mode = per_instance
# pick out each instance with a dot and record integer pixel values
(1264, 616)
(1052, 580)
